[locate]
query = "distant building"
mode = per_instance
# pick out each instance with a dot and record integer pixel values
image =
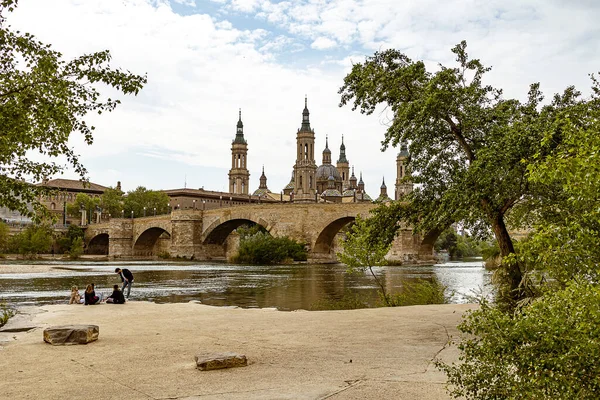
(66, 191)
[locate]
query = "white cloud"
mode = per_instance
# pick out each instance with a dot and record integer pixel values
(202, 68)
(323, 43)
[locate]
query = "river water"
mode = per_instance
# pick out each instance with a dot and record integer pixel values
(285, 287)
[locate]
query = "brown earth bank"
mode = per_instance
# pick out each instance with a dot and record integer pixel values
(146, 351)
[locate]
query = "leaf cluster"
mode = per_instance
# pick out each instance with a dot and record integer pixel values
(548, 350)
(263, 249)
(43, 100)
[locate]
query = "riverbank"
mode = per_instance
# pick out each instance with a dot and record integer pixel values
(146, 351)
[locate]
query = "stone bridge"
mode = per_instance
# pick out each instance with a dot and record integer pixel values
(206, 235)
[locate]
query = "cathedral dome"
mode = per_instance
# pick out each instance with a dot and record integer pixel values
(327, 170)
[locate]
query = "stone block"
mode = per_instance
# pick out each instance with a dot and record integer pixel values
(210, 361)
(71, 334)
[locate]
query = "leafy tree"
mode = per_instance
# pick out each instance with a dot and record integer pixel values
(76, 249)
(44, 98)
(112, 202)
(361, 252)
(548, 350)
(564, 239)
(469, 147)
(35, 239)
(261, 248)
(141, 197)
(83, 201)
(4, 237)
(65, 243)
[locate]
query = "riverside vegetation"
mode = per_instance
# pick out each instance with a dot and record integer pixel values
(494, 164)
(257, 246)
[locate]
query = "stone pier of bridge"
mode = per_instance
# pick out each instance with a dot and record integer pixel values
(207, 235)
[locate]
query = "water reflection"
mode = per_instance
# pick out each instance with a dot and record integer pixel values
(287, 287)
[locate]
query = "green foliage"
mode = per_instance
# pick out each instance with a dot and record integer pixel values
(86, 202)
(44, 100)
(5, 314)
(141, 197)
(263, 249)
(565, 230)
(362, 250)
(112, 202)
(470, 148)
(548, 350)
(35, 239)
(63, 243)
(249, 230)
(349, 301)
(420, 292)
(4, 237)
(76, 249)
(457, 246)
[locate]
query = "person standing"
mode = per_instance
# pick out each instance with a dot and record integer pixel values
(126, 278)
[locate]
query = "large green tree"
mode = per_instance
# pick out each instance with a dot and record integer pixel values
(141, 197)
(43, 100)
(469, 146)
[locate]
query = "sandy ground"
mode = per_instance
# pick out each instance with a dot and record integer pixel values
(146, 351)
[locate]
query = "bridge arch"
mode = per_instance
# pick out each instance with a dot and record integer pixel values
(152, 242)
(98, 244)
(324, 243)
(219, 230)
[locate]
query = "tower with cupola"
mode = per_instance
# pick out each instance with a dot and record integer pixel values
(305, 167)
(239, 176)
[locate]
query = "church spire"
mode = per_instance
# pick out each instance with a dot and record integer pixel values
(305, 117)
(326, 152)
(342, 158)
(239, 135)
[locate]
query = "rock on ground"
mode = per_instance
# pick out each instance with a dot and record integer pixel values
(71, 334)
(210, 361)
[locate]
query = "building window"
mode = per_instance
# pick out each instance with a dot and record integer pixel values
(53, 206)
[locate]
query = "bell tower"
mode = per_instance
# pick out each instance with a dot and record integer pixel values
(344, 166)
(403, 187)
(239, 176)
(305, 167)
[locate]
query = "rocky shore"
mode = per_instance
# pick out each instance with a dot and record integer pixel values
(146, 351)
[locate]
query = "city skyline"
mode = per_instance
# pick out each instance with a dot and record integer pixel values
(206, 59)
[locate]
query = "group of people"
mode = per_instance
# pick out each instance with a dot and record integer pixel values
(117, 297)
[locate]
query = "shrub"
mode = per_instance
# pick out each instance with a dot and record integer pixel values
(5, 314)
(76, 249)
(549, 349)
(262, 248)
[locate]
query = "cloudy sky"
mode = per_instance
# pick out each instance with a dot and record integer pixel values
(207, 58)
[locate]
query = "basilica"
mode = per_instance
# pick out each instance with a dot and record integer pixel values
(311, 183)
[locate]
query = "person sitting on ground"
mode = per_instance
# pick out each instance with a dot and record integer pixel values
(90, 296)
(116, 297)
(99, 294)
(127, 279)
(75, 296)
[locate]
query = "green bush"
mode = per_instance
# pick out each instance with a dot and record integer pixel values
(5, 314)
(262, 248)
(35, 239)
(76, 249)
(549, 349)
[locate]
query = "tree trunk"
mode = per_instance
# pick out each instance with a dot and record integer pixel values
(506, 247)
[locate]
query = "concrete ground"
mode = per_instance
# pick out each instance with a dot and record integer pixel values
(146, 351)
